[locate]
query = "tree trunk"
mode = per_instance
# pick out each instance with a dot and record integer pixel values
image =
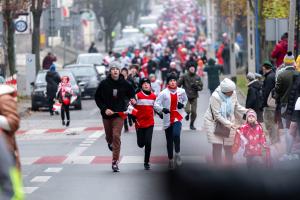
(111, 42)
(36, 39)
(10, 42)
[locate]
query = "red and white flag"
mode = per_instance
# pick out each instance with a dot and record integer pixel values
(131, 110)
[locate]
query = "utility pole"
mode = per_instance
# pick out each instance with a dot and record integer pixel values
(251, 39)
(257, 49)
(292, 25)
(231, 43)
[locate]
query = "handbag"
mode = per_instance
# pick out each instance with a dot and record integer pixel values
(220, 129)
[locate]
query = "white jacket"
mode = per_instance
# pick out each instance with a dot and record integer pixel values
(215, 107)
(164, 101)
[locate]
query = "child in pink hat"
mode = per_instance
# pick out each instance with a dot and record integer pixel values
(252, 138)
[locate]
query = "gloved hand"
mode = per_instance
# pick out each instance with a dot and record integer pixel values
(180, 105)
(161, 116)
(165, 110)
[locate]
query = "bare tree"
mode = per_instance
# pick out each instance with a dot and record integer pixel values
(11, 9)
(36, 9)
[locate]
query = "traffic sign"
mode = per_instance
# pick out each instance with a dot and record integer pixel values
(21, 26)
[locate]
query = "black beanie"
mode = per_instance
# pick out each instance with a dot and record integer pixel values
(172, 76)
(144, 80)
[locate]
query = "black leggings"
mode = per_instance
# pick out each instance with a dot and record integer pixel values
(171, 138)
(144, 139)
(65, 109)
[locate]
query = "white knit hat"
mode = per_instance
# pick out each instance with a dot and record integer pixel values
(227, 85)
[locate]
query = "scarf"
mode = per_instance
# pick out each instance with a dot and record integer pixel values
(226, 105)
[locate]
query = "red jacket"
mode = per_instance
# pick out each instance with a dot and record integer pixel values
(280, 51)
(255, 137)
(145, 114)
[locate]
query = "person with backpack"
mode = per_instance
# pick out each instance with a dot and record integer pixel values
(254, 98)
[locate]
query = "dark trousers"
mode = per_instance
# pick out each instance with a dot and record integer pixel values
(51, 103)
(144, 139)
(217, 154)
(191, 108)
(173, 138)
(65, 109)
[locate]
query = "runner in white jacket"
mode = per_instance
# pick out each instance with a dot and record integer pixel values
(171, 102)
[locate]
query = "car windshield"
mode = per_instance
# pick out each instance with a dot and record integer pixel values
(82, 71)
(90, 59)
(41, 77)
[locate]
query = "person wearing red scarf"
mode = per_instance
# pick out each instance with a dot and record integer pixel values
(171, 102)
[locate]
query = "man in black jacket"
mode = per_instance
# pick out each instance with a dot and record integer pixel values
(269, 112)
(110, 97)
(52, 79)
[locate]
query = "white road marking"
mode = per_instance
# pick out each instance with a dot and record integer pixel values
(87, 142)
(40, 179)
(36, 131)
(85, 145)
(132, 159)
(97, 134)
(77, 151)
(79, 160)
(53, 170)
(29, 190)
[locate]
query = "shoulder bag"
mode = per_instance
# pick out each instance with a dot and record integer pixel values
(220, 130)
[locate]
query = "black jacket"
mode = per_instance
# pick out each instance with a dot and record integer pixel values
(165, 63)
(268, 85)
(52, 79)
(191, 62)
(294, 94)
(151, 67)
(253, 95)
(113, 95)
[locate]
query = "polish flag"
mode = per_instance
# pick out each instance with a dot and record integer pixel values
(131, 110)
(66, 12)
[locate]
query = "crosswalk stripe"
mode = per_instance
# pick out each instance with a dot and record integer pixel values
(29, 190)
(40, 179)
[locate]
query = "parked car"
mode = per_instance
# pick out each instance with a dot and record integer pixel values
(122, 44)
(39, 92)
(87, 78)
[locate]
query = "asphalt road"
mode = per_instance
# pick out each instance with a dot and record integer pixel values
(75, 163)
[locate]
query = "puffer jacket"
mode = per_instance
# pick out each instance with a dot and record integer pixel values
(284, 84)
(192, 84)
(8, 110)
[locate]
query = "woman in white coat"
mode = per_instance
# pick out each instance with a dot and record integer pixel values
(225, 108)
(171, 102)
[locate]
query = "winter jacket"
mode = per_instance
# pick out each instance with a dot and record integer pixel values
(255, 139)
(291, 113)
(279, 52)
(268, 85)
(215, 107)
(151, 67)
(10, 178)
(254, 98)
(52, 79)
(284, 84)
(164, 64)
(113, 94)
(144, 105)
(213, 72)
(165, 100)
(134, 81)
(190, 63)
(192, 84)
(64, 91)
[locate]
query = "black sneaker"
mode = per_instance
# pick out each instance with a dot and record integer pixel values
(147, 166)
(110, 147)
(51, 114)
(68, 123)
(63, 123)
(115, 167)
(187, 117)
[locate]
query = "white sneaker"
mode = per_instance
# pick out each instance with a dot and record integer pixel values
(178, 160)
(171, 164)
